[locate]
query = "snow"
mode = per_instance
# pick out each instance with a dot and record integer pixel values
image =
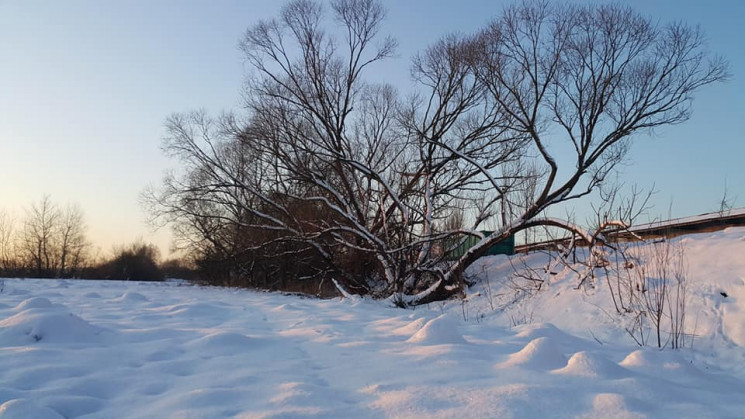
(102, 349)
(539, 354)
(438, 331)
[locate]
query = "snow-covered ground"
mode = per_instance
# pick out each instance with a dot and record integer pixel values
(126, 349)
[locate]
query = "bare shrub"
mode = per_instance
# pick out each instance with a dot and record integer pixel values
(137, 262)
(648, 285)
(663, 290)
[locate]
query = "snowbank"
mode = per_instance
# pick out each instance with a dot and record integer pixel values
(125, 349)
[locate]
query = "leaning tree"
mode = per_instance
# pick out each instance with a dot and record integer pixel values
(579, 82)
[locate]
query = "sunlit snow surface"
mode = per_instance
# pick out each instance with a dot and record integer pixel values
(101, 349)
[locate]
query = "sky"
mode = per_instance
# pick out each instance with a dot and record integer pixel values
(85, 87)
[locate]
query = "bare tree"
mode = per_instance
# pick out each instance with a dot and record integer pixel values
(40, 229)
(8, 256)
(469, 156)
(323, 159)
(72, 240)
(584, 80)
(53, 240)
(325, 133)
(533, 111)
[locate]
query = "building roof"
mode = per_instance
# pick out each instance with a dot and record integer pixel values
(734, 216)
(703, 222)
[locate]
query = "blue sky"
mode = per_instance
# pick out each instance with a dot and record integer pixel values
(85, 86)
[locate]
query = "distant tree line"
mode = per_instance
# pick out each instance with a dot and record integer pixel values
(50, 241)
(330, 180)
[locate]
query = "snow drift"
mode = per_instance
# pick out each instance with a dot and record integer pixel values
(94, 349)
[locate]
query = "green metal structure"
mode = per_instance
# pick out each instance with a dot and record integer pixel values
(504, 247)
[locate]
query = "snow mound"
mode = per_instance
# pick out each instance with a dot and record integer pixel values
(285, 307)
(411, 328)
(611, 405)
(541, 330)
(438, 331)
(657, 362)
(193, 309)
(538, 354)
(587, 364)
(24, 409)
(92, 295)
(640, 359)
(35, 325)
(36, 302)
(72, 406)
(226, 343)
(298, 393)
(131, 297)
